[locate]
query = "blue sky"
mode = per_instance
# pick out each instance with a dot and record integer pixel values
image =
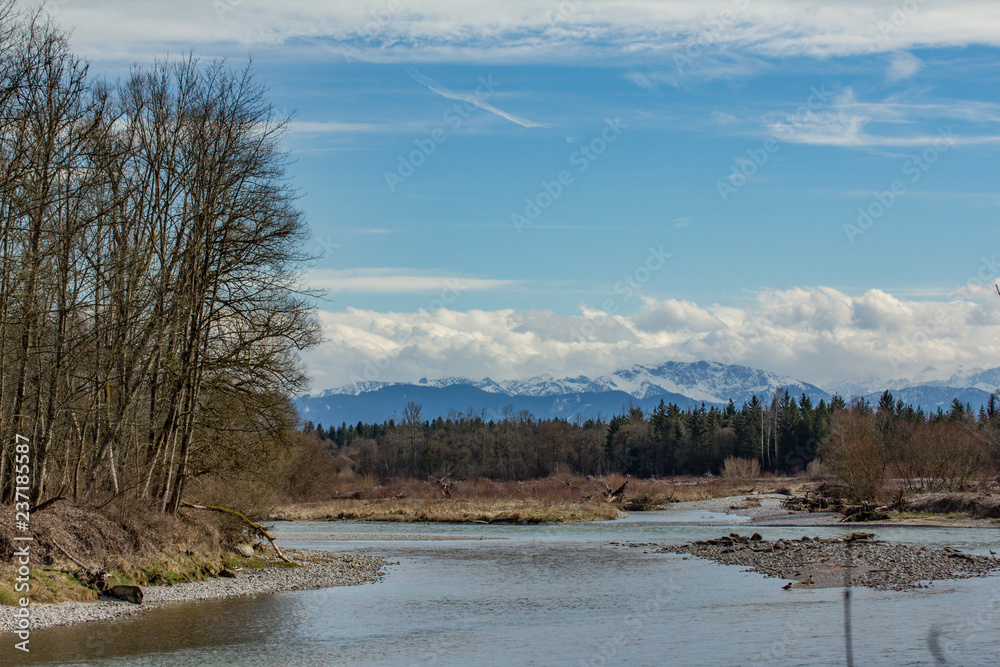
(511, 188)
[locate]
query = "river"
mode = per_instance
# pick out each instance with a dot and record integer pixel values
(580, 594)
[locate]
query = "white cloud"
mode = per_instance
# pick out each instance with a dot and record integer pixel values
(723, 118)
(814, 334)
(903, 66)
(475, 100)
(845, 120)
(329, 127)
(397, 281)
(525, 30)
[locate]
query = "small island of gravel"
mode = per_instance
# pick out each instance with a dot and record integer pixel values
(813, 562)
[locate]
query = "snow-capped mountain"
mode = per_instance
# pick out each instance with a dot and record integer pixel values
(682, 383)
(932, 389)
(708, 381)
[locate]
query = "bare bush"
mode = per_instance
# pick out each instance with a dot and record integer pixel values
(740, 469)
(853, 452)
(816, 469)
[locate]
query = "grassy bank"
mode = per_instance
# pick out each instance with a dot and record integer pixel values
(135, 545)
(546, 500)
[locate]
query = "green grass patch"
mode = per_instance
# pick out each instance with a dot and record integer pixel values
(893, 516)
(46, 585)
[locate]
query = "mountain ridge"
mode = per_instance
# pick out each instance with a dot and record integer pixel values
(685, 383)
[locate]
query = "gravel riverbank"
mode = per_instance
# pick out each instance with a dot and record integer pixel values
(823, 563)
(766, 510)
(317, 570)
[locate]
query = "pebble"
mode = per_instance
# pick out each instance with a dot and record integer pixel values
(877, 565)
(317, 570)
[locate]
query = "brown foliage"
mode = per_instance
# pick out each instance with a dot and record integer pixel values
(104, 537)
(853, 450)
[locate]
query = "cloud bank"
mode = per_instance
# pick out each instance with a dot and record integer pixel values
(819, 335)
(529, 31)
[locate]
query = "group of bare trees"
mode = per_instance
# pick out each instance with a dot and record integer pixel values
(891, 447)
(149, 244)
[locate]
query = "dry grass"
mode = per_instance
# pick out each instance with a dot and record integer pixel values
(135, 545)
(445, 510)
(740, 470)
(957, 505)
(553, 499)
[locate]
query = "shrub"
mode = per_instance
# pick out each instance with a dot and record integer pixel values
(742, 470)
(854, 453)
(818, 470)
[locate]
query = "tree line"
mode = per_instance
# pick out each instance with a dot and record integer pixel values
(892, 446)
(150, 315)
(784, 435)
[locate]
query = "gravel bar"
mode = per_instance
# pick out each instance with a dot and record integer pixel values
(813, 562)
(317, 570)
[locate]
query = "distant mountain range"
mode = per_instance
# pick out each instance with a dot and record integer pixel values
(683, 383)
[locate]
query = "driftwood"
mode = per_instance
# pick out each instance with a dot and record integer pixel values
(98, 580)
(76, 561)
(813, 502)
(864, 512)
(45, 505)
(258, 529)
(617, 494)
(445, 484)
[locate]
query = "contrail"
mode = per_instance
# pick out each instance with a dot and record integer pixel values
(471, 99)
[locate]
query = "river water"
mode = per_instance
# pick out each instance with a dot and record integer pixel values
(581, 594)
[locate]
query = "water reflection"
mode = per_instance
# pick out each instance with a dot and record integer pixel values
(553, 595)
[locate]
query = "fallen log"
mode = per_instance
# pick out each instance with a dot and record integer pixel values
(45, 505)
(260, 530)
(98, 580)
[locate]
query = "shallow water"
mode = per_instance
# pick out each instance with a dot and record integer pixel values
(558, 595)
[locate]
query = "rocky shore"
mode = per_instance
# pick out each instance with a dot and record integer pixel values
(812, 562)
(317, 570)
